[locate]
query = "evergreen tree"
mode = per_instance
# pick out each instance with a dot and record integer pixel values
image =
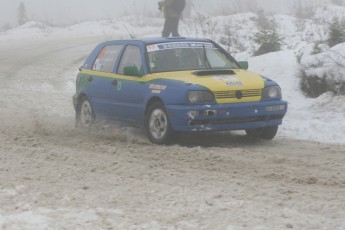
(263, 22)
(336, 32)
(267, 38)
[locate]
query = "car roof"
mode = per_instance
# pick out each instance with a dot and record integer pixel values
(155, 40)
(172, 39)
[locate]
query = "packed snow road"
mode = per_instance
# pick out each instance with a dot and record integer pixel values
(53, 176)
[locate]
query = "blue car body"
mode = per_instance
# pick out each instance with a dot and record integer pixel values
(121, 78)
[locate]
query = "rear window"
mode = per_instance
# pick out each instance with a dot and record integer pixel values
(106, 58)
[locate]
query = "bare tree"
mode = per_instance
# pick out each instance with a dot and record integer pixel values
(304, 8)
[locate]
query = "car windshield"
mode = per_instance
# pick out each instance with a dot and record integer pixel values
(177, 56)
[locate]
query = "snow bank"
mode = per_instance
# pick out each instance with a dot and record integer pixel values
(310, 119)
(122, 27)
(329, 64)
(319, 119)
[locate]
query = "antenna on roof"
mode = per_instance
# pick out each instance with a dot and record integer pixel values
(128, 31)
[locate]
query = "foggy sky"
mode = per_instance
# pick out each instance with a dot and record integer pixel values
(63, 12)
(69, 11)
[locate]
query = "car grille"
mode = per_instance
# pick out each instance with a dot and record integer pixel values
(237, 93)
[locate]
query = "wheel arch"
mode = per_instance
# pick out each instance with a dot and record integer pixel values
(151, 101)
(80, 98)
(170, 136)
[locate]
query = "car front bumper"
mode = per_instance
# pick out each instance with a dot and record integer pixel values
(225, 117)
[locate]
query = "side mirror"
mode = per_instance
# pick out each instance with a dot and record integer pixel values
(244, 64)
(132, 71)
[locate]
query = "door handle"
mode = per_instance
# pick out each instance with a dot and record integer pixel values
(90, 78)
(114, 82)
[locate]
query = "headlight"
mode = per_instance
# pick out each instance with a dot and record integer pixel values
(200, 96)
(271, 92)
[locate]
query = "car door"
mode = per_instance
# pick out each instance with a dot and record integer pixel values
(101, 80)
(127, 95)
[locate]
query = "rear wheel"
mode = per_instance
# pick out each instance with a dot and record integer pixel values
(157, 125)
(267, 133)
(85, 117)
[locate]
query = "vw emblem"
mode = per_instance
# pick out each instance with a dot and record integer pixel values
(239, 94)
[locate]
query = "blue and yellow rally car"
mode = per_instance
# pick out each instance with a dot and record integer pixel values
(173, 85)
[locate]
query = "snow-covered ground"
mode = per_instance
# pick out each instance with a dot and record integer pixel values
(53, 176)
(319, 119)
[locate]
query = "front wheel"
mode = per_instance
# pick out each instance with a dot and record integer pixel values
(157, 125)
(85, 117)
(267, 133)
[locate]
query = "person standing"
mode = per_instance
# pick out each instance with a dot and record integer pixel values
(21, 14)
(172, 13)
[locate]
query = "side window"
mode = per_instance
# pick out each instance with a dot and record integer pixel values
(131, 57)
(106, 58)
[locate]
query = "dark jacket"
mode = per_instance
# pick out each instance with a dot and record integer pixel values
(173, 8)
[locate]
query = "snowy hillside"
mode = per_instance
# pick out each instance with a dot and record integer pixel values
(54, 176)
(107, 28)
(319, 119)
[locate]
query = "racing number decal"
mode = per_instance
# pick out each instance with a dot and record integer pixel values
(119, 85)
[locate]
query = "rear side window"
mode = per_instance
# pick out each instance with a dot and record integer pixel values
(131, 57)
(106, 58)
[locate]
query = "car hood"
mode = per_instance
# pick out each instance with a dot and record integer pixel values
(222, 80)
(227, 85)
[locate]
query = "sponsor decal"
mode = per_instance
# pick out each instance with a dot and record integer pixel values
(179, 45)
(157, 88)
(229, 80)
(233, 84)
(225, 78)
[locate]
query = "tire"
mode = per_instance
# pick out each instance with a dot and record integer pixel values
(85, 116)
(267, 133)
(157, 125)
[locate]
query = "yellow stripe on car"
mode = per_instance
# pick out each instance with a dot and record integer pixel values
(242, 86)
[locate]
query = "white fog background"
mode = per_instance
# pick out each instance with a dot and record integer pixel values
(67, 12)
(304, 44)
(234, 24)
(54, 176)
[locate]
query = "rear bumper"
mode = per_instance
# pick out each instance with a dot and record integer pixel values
(224, 117)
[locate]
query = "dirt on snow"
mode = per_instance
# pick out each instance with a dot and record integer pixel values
(53, 176)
